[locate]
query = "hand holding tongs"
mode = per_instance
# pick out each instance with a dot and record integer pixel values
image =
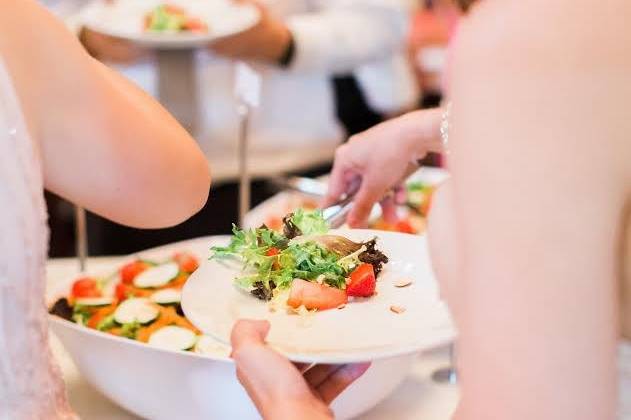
(335, 215)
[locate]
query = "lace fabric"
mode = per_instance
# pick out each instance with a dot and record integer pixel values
(30, 383)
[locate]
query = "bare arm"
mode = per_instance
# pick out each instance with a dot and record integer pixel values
(538, 197)
(105, 144)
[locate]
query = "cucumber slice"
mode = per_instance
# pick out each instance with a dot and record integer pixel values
(157, 276)
(209, 346)
(166, 296)
(140, 310)
(96, 301)
(173, 338)
(109, 287)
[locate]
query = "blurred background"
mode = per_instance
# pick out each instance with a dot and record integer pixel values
(325, 70)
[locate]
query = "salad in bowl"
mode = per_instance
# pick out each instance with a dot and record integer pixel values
(140, 301)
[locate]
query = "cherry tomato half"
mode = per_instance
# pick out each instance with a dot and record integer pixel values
(130, 271)
(187, 262)
(86, 287)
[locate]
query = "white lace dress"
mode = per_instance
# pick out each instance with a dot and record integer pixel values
(31, 387)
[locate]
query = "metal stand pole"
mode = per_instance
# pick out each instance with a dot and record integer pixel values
(244, 173)
(447, 375)
(177, 86)
(247, 90)
(81, 241)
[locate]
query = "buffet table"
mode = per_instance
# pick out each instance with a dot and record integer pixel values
(417, 398)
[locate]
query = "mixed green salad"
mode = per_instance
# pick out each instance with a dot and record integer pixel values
(304, 263)
(139, 301)
(170, 18)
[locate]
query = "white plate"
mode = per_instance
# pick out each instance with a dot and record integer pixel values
(362, 331)
(125, 19)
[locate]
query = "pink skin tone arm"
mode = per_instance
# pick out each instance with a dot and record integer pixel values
(104, 144)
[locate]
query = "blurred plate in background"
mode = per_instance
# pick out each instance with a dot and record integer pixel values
(125, 19)
(419, 186)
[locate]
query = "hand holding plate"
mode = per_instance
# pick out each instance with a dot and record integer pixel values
(277, 387)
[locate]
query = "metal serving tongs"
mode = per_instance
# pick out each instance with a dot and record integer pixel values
(335, 215)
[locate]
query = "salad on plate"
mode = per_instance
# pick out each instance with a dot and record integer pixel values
(304, 267)
(330, 296)
(168, 18)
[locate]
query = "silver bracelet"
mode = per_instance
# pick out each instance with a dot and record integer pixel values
(444, 132)
(444, 127)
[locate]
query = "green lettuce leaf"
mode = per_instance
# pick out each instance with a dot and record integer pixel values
(107, 323)
(310, 222)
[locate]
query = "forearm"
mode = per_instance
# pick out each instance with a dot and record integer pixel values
(426, 125)
(418, 132)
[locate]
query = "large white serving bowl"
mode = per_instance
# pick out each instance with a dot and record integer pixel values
(160, 384)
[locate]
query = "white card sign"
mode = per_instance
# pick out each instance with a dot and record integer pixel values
(247, 84)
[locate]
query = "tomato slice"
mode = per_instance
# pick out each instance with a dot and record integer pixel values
(315, 296)
(272, 252)
(404, 226)
(85, 287)
(129, 271)
(195, 25)
(362, 281)
(187, 262)
(274, 223)
(175, 10)
(123, 291)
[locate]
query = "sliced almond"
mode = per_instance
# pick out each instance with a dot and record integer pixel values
(397, 309)
(402, 283)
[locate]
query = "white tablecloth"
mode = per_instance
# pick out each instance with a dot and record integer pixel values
(418, 398)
